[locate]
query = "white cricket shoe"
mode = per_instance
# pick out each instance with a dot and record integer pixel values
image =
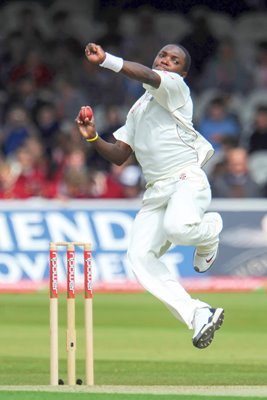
(204, 257)
(206, 322)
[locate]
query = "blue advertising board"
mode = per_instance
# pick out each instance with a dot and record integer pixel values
(27, 227)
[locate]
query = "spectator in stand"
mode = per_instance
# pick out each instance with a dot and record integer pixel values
(200, 42)
(76, 159)
(8, 178)
(96, 87)
(12, 54)
(16, 130)
(35, 146)
(145, 36)
(132, 182)
(112, 37)
(70, 99)
(146, 40)
(236, 181)
(113, 121)
(107, 183)
(258, 138)
(225, 71)
(74, 185)
(260, 69)
(27, 28)
(23, 176)
(34, 66)
(104, 186)
(218, 124)
(48, 126)
(90, 80)
(73, 163)
(25, 93)
(64, 37)
(63, 51)
(218, 166)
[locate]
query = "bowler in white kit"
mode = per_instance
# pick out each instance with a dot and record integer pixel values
(171, 152)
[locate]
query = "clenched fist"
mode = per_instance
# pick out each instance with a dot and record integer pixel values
(94, 53)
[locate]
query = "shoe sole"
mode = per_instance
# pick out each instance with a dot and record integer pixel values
(206, 335)
(218, 318)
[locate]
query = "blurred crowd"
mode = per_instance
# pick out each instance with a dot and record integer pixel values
(45, 79)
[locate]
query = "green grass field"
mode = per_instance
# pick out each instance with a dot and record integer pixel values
(136, 342)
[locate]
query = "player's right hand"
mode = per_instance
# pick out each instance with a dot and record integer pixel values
(94, 53)
(86, 127)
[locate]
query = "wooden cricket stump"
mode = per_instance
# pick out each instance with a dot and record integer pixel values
(53, 316)
(71, 330)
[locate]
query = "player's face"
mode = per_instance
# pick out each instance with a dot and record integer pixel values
(170, 58)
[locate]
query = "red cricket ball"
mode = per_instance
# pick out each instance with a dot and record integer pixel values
(86, 112)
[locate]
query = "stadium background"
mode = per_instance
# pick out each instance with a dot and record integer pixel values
(47, 169)
(54, 187)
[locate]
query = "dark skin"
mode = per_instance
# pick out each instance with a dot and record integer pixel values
(170, 58)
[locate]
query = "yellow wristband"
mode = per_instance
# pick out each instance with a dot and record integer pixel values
(93, 139)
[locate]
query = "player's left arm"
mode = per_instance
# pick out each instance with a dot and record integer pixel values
(96, 55)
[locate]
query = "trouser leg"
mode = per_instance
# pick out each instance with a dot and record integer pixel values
(146, 245)
(186, 221)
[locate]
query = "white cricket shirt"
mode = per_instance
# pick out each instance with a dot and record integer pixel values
(159, 129)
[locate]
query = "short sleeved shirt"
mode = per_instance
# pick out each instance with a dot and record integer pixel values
(161, 146)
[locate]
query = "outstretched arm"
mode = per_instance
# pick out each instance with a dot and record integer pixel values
(117, 152)
(96, 55)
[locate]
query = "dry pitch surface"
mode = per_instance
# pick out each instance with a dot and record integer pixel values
(259, 391)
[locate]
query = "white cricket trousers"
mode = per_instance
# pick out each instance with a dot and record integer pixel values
(173, 212)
